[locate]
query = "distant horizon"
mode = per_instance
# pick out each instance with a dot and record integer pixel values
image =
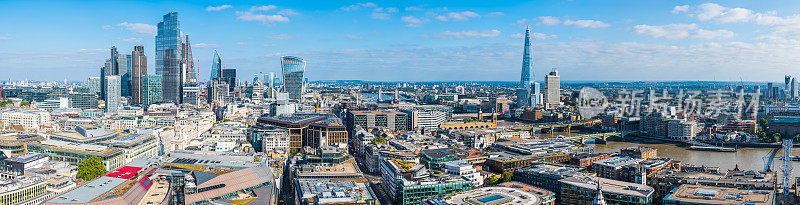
(415, 41)
(476, 81)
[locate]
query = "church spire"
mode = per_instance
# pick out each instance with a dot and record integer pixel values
(599, 200)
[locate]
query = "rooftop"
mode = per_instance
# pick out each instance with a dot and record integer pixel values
(618, 161)
(697, 194)
(27, 157)
(328, 191)
(494, 195)
(610, 186)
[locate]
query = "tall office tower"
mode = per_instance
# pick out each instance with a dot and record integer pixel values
(768, 94)
(168, 51)
(216, 67)
(111, 68)
(552, 83)
(793, 88)
(138, 71)
(523, 92)
(271, 85)
(786, 79)
(151, 90)
(113, 97)
(124, 74)
(94, 84)
(293, 69)
(190, 87)
(229, 76)
(527, 65)
(536, 94)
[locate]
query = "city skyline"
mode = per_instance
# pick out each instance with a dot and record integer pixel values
(422, 41)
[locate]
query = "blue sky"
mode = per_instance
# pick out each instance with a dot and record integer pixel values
(418, 40)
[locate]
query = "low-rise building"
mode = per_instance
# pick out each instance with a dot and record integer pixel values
(410, 183)
(330, 192)
(23, 190)
(586, 159)
(708, 195)
(640, 152)
(583, 190)
(464, 169)
(74, 153)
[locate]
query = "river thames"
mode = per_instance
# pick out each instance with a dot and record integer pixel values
(746, 158)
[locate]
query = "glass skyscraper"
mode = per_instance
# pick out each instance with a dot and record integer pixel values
(527, 66)
(229, 76)
(293, 69)
(151, 90)
(216, 68)
(524, 91)
(168, 57)
(113, 97)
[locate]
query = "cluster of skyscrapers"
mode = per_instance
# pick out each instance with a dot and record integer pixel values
(176, 77)
(529, 92)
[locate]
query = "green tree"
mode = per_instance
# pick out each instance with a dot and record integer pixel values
(494, 179)
(507, 177)
(91, 168)
(776, 137)
(25, 103)
(378, 140)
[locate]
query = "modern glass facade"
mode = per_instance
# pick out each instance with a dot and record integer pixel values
(216, 68)
(293, 70)
(113, 96)
(168, 48)
(229, 76)
(151, 90)
(527, 66)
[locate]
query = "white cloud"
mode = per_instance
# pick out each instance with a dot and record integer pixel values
(414, 21)
(204, 45)
(496, 14)
(133, 40)
(467, 34)
(458, 16)
(288, 12)
(241, 43)
(413, 8)
(538, 36)
(788, 26)
(357, 6)
(353, 37)
(263, 8)
(680, 9)
(5, 38)
(218, 8)
(715, 34)
(681, 31)
(721, 14)
(282, 37)
(553, 21)
(549, 20)
(586, 23)
(139, 28)
(381, 16)
(108, 27)
(250, 16)
(383, 13)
